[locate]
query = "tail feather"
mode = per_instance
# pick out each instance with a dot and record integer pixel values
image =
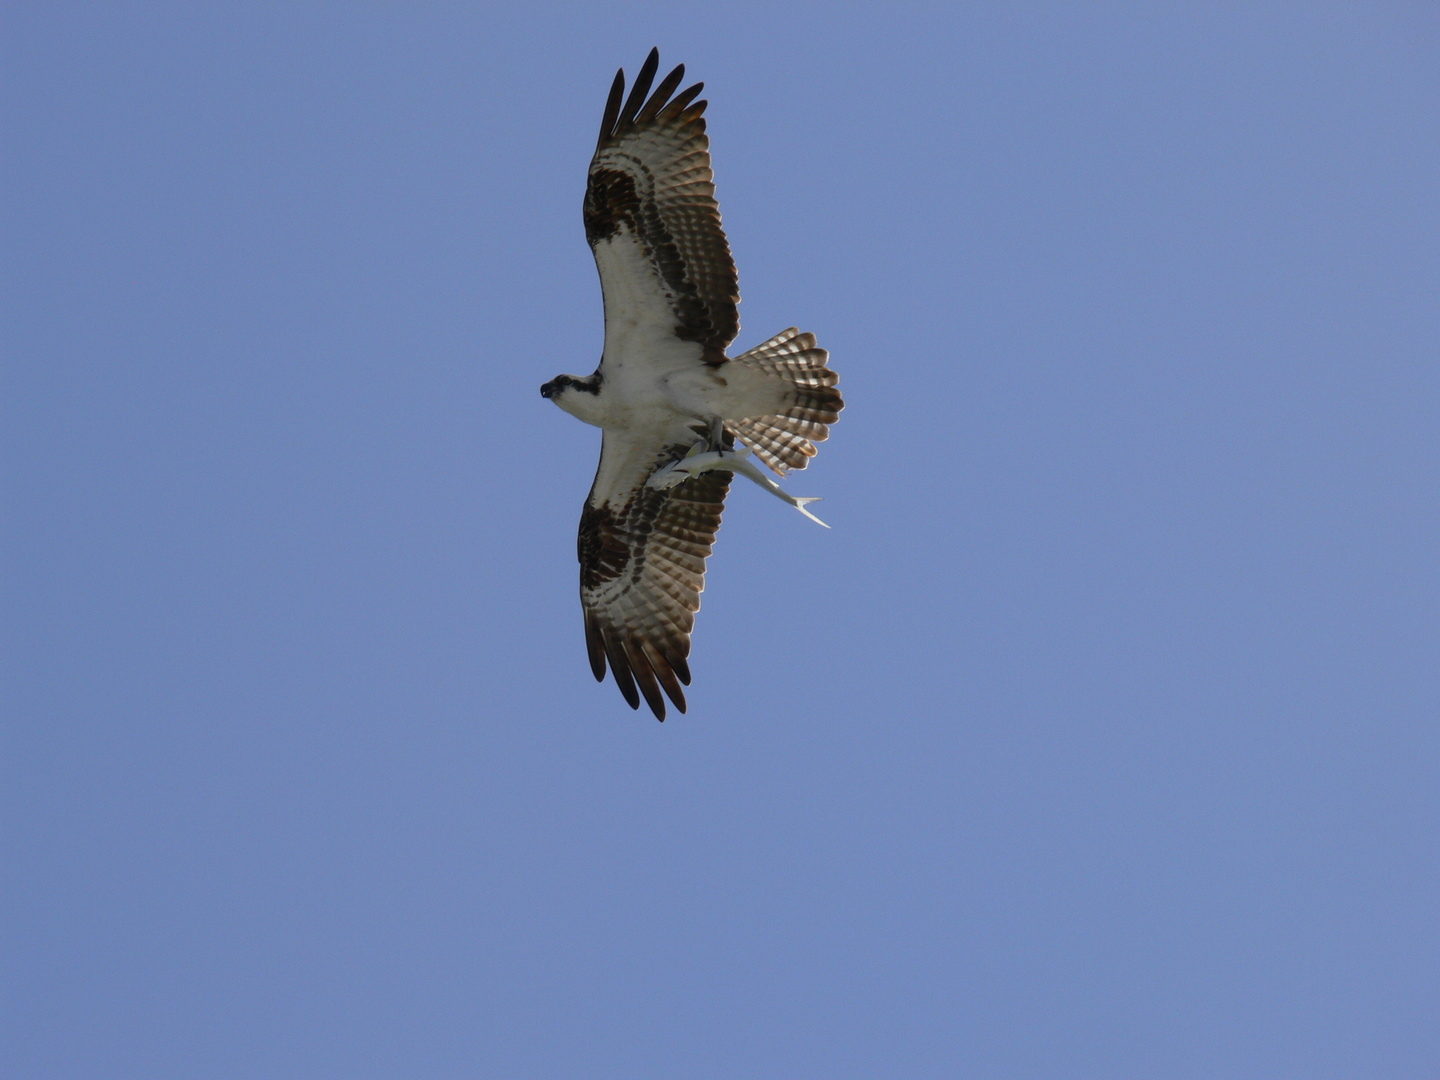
(783, 440)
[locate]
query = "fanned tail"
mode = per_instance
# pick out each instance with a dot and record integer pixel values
(786, 440)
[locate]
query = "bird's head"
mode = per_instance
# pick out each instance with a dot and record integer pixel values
(555, 388)
(579, 397)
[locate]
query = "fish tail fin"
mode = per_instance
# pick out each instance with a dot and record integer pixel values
(800, 505)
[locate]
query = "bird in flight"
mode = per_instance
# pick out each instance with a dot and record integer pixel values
(678, 417)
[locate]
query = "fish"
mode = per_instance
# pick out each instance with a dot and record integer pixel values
(699, 461)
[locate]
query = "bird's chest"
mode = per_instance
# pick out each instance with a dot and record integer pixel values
(666, 380)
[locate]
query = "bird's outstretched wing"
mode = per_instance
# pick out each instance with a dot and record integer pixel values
(642, 568)
(653, 223)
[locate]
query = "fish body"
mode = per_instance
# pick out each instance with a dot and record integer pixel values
(736, 461)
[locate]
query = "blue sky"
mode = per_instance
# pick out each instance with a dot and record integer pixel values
(1098, 737)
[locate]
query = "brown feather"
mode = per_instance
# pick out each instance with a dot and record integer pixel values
(665, 672)
(640, 89)
(612, 109)
(645, 676)
(595, 646)
(620, 668)
(661, 95)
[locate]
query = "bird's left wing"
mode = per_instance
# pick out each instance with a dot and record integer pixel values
(642, 568)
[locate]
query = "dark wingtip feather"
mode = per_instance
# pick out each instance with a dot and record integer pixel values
(595, 646)
(641, 88)
(620, 667)
(612, 108)
(676, 107)
(660, 96)
(665, 671)
(645, 676)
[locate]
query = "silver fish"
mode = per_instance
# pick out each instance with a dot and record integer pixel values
(736, 461)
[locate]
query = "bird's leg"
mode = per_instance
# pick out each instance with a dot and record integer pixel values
(716, 437)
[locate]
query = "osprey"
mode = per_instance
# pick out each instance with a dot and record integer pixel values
(669, 402)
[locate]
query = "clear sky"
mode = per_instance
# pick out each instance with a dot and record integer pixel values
(1097, 739)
